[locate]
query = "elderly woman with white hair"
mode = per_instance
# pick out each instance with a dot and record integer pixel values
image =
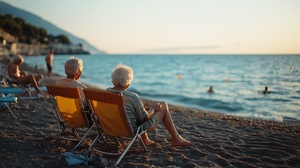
(121, 78)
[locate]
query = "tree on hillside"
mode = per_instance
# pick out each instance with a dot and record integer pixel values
(63, 39)
(19, 21)
(28, 33)
(43, 35)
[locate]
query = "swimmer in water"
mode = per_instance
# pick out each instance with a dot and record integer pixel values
(266, 90)
(210, 90)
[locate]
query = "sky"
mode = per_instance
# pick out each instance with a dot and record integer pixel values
(177, 26)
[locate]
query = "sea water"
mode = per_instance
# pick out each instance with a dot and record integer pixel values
(238, 81)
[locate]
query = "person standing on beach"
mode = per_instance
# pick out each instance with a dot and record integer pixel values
(121, 78)
(73, 70)
(49, 62)
(22, 77)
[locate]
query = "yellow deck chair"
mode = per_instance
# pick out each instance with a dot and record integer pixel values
(111, 119)
(69, 110)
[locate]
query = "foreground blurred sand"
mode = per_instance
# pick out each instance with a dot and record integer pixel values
(218, 140)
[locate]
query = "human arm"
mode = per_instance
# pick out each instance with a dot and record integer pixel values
(155, 107)
(138, 109)
(141, 113)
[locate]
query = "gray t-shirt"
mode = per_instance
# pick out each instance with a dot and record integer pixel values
(133, 106)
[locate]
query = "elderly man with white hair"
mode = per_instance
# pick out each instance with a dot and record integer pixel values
(73, 70)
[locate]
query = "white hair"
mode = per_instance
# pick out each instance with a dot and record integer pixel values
(73, 65)
(122, 75)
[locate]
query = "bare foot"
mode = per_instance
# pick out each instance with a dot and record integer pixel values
(39, 76)
(181, 143)
(148, 142)
(146, 139)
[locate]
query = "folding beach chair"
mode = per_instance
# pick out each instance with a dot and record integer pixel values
(5, 101)
(7, 97)
(10, 90)
(69, 110)
(9, 82)
(111, 119)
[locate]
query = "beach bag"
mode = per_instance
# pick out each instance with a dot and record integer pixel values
(73, 159)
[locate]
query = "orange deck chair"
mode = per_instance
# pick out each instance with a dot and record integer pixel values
(111, 119)
(69, 110)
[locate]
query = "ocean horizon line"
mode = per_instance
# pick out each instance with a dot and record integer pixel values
(135, 54)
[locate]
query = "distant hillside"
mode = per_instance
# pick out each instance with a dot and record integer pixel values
(52, 29)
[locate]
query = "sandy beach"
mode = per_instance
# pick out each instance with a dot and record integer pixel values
(218, 140)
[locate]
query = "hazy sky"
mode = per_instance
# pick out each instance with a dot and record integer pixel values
(177, 26)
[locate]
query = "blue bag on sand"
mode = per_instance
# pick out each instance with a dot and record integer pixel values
(76, 159)
(73, 159)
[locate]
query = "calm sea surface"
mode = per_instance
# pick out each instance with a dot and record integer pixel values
(238, 81)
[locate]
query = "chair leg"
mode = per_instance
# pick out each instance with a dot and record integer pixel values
(142, 142)
(95, 140)
(10, 110)
(29, 92)
(125, 151)
(118, 142)
(74, 131)
(88, 132)
(62, 129)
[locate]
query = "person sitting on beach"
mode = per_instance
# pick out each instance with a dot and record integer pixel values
(73, 70)
(210, 90)
(22, 77)
(121, 78)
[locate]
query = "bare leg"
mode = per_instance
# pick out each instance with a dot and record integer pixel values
(38, 77)
(146, 139)
(50, 74)
(165, 116)
(31, 79)
(23, 73)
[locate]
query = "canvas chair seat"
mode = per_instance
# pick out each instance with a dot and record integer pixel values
(69, 110)
(111, 119)
(10, 90)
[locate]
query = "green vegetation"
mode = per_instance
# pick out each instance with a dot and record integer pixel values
(27, 33)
